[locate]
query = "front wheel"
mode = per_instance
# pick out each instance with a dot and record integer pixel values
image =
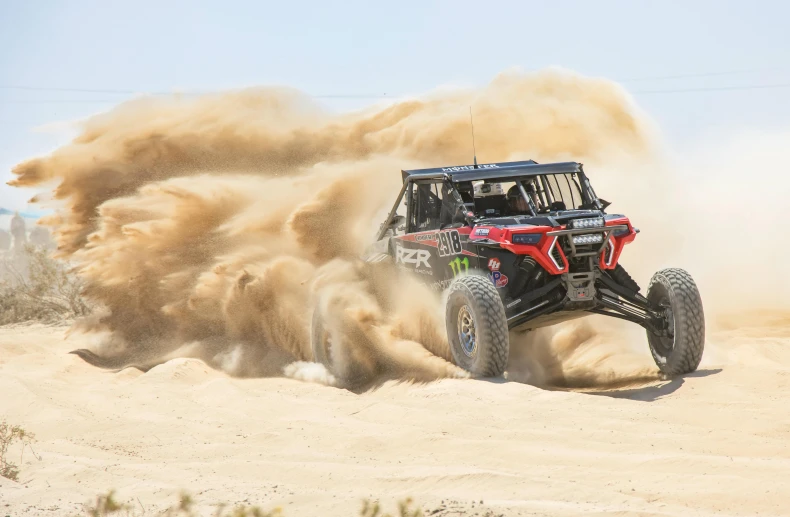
(675, 293)
(477, 326)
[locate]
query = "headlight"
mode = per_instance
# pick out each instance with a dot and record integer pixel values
(590, 238)
(526, 238)
(595, 222)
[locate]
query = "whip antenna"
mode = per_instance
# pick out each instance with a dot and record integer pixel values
(474, 151)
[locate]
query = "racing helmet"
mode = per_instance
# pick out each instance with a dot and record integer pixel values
(515, 201)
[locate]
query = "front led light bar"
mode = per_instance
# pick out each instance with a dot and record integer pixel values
(595, 222)
(588, 238)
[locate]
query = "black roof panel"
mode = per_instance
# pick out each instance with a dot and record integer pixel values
(494, 170)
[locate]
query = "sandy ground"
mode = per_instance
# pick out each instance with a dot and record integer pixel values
(713, 443)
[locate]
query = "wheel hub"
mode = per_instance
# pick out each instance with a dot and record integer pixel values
(670, 319)
(327, 342)
(466, 331)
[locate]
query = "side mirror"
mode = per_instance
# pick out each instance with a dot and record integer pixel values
(604, 203)
(392, 226)
(396, 221)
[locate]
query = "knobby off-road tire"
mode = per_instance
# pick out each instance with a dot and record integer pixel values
(321, 343)
(682, 353)
(320, 340)
(337, 358)
(474, 305)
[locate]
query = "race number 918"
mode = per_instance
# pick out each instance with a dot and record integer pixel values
(449, 243)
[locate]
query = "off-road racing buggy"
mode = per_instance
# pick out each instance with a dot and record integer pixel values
(522, 245)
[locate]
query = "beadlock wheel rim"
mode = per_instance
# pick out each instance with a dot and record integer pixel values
(466, 331)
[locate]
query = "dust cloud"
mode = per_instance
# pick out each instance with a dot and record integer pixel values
(208, 227)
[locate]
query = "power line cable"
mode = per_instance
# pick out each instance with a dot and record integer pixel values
(355, 96)
(382, 96)
(174, 92)
(713, 89)
(702, 74)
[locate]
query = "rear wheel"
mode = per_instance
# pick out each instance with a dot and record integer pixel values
(679, 352)
(477, 326)
(320, 339)
(335, 358)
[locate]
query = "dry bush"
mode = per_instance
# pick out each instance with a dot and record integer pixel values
(107, 505)
(8, 435)
(373, 509)
(38, 287)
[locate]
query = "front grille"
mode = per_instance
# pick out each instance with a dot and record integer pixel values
(557, 255)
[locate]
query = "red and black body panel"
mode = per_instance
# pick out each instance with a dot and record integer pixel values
(550, 251)
(440, 255)
(437, 256)
(557, 259)
(616, 241)
(526, 262)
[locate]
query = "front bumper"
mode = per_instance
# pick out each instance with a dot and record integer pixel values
(574, 251)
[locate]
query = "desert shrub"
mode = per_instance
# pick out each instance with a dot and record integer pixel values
(37, 287)
(8, 435)
(107, 505)
(373, 509)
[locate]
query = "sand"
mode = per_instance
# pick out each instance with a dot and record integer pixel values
(205, 226)
(713, 443)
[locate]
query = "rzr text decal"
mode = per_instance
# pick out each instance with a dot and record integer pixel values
(417, 258)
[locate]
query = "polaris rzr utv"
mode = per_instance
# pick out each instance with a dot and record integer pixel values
(522, 245)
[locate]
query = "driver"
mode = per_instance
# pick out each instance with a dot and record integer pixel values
(516, 202)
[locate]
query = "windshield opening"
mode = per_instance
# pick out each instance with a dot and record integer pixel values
(545, 193)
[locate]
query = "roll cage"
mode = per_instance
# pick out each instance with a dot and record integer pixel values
(546, 182)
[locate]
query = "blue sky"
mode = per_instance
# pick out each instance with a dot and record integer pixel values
(403, 47)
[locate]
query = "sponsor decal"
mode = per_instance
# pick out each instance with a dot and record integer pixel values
(417, 258)
(441, 284)
(482, 231)
(494, 264)
(499, 279)
(425, 237)
(469, 167)
(450, 243)
(459, 265)
(420, 271)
